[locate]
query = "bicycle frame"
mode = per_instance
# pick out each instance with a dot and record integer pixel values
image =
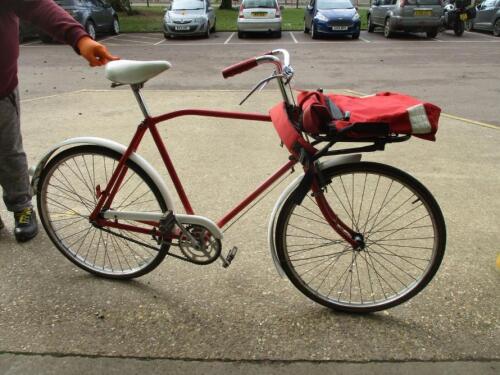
(100, 217)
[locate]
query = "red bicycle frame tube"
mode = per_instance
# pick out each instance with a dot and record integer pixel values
(150, 123)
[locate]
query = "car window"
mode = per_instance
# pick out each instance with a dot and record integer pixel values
(259, 4)
(69, 2)
(489, 3)
(187, 5)
(334, 4)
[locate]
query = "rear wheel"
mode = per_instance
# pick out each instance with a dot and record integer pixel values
(496, 28)
(469, 25)
(459, 28)
(115, 28)
(90, 29)
(371, 26)
(213, 27)
(387, 28)
(432, 33)
(306, 29)
(400, 228)
(207, 33)
(67, 194)
(241, 34)
(277, 34)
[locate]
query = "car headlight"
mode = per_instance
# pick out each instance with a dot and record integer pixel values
(355, 17)
(321, 17)
(167, 17)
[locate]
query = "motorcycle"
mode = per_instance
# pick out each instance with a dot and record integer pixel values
(456, 13)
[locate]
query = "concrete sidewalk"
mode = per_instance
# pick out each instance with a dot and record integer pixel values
(247, 313)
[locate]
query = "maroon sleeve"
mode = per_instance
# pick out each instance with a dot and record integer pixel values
(52, 19)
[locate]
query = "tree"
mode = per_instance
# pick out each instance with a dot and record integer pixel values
(121, 6)
(226, 4)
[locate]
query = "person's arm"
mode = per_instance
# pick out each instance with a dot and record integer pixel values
(56, 22)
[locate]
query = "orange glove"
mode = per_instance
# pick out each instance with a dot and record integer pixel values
(95, 53)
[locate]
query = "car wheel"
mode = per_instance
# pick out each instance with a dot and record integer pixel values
(314, 33)
(496, 28)
(469, 26)
(207, 33)
(115, 28)
(355, 35)
(306, 30)
(371, 26)
(90, 29)
(213, 27)
(278, 34)
(241, 34)
(387, 28)
(432, 33)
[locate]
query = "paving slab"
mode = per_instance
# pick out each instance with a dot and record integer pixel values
(246, 312)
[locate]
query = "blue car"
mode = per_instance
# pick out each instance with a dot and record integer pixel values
(331, 17)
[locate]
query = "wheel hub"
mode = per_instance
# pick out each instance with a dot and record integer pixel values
(360, 241)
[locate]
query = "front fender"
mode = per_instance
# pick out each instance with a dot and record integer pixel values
(35, 172)
(286, 194)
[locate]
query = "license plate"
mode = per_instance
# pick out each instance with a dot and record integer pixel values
(339, 28)
(180, 28)
(463, 17)
(259, 14)
(423, 13)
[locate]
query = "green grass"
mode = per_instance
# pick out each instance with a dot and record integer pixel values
(150, 19)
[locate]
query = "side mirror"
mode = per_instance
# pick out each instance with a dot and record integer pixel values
(309, 8)
(210, 9)
(376, 3)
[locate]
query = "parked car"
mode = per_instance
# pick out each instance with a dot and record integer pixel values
(331, 17)
(189, 17)
(95, 15)
(406, 15)
(27, 31)
(487, 17)
(259, 16)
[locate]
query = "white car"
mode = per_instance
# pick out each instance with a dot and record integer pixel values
(259, 16)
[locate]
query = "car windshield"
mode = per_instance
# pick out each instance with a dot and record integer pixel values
(187, 5)
(334, 4)
(259, 4)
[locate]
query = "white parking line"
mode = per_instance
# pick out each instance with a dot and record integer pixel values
(365, 40)
(438, 40)
(160, 42)
(144, 37)
(293, 37)
(229, 38)
(133, 40)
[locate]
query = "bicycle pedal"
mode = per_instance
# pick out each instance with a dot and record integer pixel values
(226, 262)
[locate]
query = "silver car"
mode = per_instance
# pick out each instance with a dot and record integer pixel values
(189, 17)
(406, 15)
(487, 17)
(259, 16)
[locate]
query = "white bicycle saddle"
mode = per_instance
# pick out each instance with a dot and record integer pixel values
(130, 72)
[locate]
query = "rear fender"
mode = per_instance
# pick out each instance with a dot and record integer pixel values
(346, 159)
(36, 171)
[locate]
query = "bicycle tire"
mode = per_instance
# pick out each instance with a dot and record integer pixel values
(66, 202)
(420, 232)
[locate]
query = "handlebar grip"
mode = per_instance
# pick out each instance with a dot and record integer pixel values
(240, 67)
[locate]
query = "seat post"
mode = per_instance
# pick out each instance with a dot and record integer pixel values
(136, 88)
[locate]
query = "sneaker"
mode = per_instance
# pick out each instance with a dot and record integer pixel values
(26, 226)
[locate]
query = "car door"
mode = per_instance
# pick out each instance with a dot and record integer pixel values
(98, 13)
(309, 13)
(485, 14)
(380, 9)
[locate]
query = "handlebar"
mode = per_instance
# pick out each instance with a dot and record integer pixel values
(251, 63)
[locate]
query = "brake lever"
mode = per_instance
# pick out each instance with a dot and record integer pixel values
(262, 83)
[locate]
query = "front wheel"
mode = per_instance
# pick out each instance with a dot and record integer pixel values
(371, 26)
(68, 192)
(314, 32)
(431, 34)
(90, 29)
(401, 234)
(387, 28)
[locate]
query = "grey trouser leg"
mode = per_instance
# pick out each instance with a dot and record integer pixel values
(14, 177)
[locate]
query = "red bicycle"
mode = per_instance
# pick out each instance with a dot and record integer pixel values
(353, 236)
